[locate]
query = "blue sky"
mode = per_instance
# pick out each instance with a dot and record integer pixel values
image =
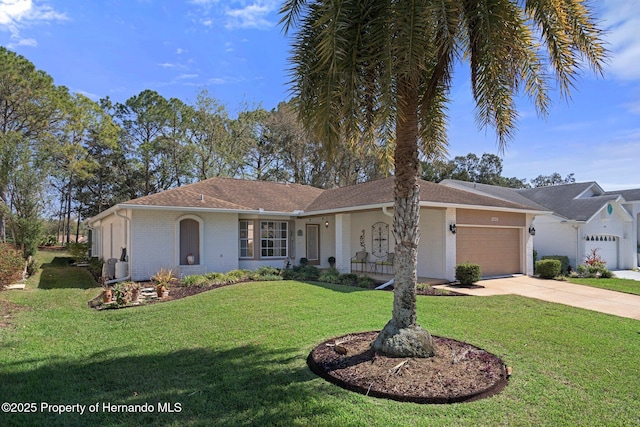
(236, 50)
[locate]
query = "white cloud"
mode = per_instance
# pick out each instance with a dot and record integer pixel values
(622, 20)
(25, 42)
(16, 15)
(180, 51)
(12, 11)
(186, 76)
(252, 16)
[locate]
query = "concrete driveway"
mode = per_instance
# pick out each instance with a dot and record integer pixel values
(602, 300)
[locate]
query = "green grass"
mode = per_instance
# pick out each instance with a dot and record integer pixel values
(236, 356)
(621, 285)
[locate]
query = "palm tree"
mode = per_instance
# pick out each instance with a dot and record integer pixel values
(381, 67)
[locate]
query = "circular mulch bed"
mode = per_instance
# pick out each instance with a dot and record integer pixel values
(459, 372)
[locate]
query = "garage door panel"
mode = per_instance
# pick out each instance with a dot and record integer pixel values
(496, 250)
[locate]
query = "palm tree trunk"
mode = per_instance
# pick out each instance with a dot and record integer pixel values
(402, 336)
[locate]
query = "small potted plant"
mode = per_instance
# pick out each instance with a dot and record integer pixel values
(162, 278)
(133, 289)
(107, 294)
(332, 261)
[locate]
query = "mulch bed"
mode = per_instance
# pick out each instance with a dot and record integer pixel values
(459, 372)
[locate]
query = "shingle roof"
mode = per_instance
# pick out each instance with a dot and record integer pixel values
(381, 192)
(629, 195)
(562, 200)
(504, 193)
(234, 194)
(238, 194)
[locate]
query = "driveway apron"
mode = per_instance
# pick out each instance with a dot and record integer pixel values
(602, 300)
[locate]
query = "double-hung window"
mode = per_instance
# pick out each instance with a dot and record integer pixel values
(274, 236)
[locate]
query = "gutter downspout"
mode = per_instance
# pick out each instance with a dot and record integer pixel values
(127, 226)
(385, 210)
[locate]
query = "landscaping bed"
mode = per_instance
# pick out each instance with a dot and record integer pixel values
(458, 372)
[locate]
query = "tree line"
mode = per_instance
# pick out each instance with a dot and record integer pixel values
(65, 155)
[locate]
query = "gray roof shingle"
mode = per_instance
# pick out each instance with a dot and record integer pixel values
(562, 200)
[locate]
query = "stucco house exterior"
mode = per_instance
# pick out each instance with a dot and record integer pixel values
(225, 224)
(585, 217)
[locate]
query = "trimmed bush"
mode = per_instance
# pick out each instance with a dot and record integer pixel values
(11, 265)
(564, 262)
(467, 273)
(365, 282)
(349, 279)
(330, 276)
(301, 272)
(548, 268)
(267, 273)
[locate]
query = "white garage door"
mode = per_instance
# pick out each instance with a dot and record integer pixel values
(607, 248)
(496, 250)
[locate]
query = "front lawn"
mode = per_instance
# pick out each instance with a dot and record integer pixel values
(236, 356)
(621, 285)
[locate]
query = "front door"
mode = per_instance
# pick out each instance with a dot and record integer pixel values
(313, 244)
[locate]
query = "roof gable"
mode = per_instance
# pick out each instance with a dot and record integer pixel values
(577, 201)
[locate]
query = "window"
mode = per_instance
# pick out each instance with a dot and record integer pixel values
(273, 239)
(246, 239)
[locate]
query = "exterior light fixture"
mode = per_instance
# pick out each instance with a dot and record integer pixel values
(453, 229)
(326, 224)
(532, 230)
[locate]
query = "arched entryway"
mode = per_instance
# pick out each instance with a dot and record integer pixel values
(189, 237)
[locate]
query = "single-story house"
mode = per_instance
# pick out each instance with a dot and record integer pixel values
(221, 224)
(585, 217)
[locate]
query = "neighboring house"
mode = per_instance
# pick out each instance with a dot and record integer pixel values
(226, 224)
(585, 217)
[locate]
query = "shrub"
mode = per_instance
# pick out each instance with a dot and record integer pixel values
(49, 240)
(301, 272)
(548, 268)
(564, 262)
(164, 276)
(365, 282)
(594, 271)
(330, 276)
(267, 273)
(238, 275)
(78, 251)
(304, 261)
(11, 265)
(467, 273)
(195, 280)
(349, 279)
(216, 278)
